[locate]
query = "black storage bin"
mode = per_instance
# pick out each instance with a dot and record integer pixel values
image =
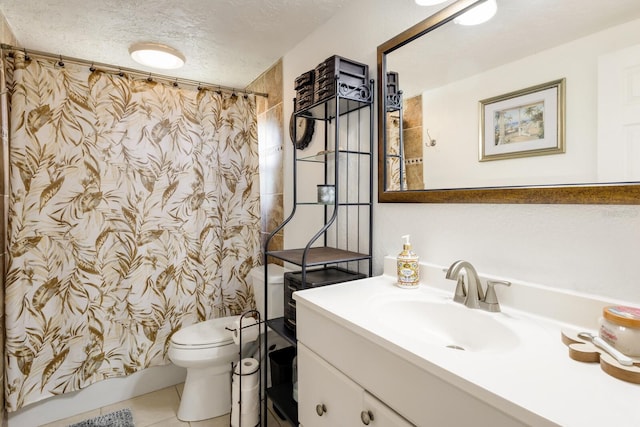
(305, 80)
(350, 73)
(303, 102)
(304, 90)
(393, 85)
(281, 362)
(314, 279)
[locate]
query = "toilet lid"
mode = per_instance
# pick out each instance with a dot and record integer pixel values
(207, 333)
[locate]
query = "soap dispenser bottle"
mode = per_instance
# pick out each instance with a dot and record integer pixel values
(408, 270)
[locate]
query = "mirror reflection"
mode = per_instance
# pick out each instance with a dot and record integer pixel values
(459, 93)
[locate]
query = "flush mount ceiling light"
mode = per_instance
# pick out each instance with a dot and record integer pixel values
(429, 2)
(156, 55)
(479, 14)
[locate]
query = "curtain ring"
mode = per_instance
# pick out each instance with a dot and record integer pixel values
(199, 87)
(175, 84)
(26, 55)
(60, 63)
(149, 79)
(92, 68)
(120, 73)
(219, 92)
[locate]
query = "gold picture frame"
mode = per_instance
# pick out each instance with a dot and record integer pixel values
(524, 123)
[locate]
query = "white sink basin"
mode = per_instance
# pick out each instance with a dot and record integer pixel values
(389, 339)
(447, 324)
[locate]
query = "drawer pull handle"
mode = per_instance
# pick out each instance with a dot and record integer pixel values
(366, 417)
(321, 409)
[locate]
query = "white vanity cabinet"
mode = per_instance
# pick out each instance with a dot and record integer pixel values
(327, 397)
(339, 363)
(350, 346)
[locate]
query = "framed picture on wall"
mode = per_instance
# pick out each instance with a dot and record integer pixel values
(527, 122)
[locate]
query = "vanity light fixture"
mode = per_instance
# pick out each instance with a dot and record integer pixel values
(429, 2)
(479, 14)
(157, 55)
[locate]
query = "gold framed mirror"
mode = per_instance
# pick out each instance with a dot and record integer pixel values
(587, 191)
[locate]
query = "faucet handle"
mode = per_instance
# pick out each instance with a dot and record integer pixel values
(491, 299)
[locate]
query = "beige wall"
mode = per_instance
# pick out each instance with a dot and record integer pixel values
(7, 37)
(271, 138)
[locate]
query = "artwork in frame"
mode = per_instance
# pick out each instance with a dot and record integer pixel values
(527, 122)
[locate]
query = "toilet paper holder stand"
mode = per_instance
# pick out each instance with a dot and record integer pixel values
(258, 323)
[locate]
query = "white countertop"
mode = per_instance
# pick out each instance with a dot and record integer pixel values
(536, 375)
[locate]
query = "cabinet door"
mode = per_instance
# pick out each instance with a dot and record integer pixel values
(377, 414)
(326, 397)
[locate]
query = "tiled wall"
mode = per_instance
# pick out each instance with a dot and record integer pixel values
(392, 147)
(271, 139)
(412, 137)
(7, 37)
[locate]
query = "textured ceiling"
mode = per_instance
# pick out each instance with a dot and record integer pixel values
(226, 42)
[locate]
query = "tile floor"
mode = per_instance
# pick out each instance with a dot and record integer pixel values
(159, 409)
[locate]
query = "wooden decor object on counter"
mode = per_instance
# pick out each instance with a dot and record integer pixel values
(583, 351)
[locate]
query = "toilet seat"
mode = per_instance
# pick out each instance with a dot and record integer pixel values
(202, 335)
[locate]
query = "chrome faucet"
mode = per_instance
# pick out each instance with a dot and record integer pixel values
(472, 295)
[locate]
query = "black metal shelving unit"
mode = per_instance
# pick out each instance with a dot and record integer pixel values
(326, 247)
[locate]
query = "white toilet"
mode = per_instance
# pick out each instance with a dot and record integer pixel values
(207, 349)
(275, 290)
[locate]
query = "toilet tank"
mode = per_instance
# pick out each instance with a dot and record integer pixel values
(275, 289)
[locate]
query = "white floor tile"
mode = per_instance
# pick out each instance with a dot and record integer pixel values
(273, 420)
(171, 422)
(150, 408)
(159, 409)
(180, 388)
(223, 421)
(74, 419)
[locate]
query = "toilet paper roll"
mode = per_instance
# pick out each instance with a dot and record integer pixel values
(246, 373)
(250, 330)
(248, 365)
(248, 396)
(245, 388)
(248, 417)
(235, 390)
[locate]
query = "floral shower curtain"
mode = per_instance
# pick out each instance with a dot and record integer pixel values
(133, 211)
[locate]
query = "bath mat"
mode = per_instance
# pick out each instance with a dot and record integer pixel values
(121, 418)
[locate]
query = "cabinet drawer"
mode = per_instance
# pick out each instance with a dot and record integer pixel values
(382, 415)
(327, 397)
(321, 384)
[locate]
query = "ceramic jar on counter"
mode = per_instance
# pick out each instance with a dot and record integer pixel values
(620, 327)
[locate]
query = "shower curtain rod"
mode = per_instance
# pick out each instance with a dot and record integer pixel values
(149, 75)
